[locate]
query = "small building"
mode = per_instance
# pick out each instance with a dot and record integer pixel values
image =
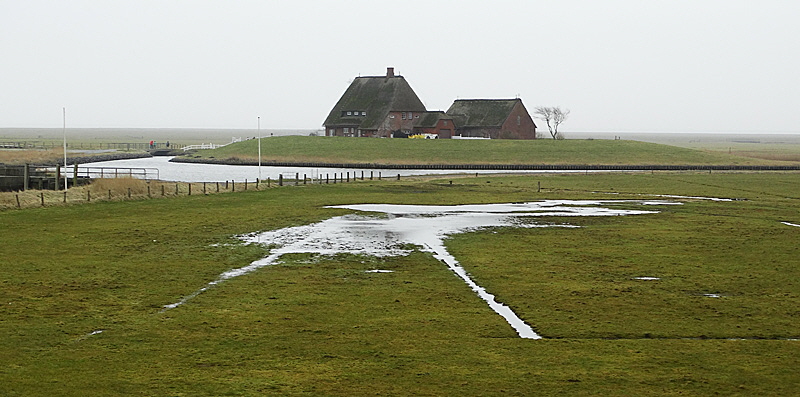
(436, 123)
(492, 118)
(375, 106)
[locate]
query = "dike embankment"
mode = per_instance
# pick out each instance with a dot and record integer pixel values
(499, 167)
(103, 157)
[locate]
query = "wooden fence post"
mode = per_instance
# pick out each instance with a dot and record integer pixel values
(26, 174)
(109, 193)
(42, 197)
(190, 189)
(148, 192)
(280, 180)
(88, 196)
(18, 205)
(75, 176)
(162, 190)
(65, 197)
(129, 192)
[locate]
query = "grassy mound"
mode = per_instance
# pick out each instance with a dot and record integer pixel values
(448, 151)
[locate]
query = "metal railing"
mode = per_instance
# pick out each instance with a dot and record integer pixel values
(202, 146)
(111, 172)
(114, 172)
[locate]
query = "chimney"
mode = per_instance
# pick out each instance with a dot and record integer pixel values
(389, 72)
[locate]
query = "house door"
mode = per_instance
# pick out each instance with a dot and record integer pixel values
(445, 134)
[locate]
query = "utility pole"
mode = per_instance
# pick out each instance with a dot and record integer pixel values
(64, 130)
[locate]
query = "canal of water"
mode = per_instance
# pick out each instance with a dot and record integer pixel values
(194, 172)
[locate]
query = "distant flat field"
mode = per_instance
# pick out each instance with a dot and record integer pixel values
(187, 136)
(769, 146)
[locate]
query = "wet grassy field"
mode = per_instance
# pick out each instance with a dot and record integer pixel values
(82, 289)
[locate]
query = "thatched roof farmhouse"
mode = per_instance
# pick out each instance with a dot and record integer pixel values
(387, 107)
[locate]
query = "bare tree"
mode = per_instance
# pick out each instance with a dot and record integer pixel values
(553, 116)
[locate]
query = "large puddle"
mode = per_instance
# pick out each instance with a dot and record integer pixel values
(397, 227)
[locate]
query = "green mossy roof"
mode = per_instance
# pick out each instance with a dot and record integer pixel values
(377, 96)
(481, 112)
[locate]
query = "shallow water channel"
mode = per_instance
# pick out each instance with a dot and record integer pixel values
(197, 172)
(385, 230)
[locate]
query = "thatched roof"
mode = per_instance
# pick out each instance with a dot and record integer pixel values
(376, 96)
(429, 119)
(481, 112)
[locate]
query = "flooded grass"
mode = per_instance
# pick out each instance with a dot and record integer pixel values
(325, 325)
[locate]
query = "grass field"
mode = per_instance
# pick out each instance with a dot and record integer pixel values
(446, 151)
(82, 288)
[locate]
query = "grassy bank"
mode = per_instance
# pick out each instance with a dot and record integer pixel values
(447, 151)
(322, 326)
(118, 189)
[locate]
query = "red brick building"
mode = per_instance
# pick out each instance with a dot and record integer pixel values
(436, 122)
(492, 118)
(387, 107)
(376, 106)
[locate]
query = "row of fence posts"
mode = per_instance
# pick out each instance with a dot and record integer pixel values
(337, 177)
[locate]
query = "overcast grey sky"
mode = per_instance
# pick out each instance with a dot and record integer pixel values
(619, 65)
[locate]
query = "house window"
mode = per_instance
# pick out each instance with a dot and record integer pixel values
(363, 113)
(349, 113)
(391, 116)
(519, 120)
(346, 130)
(445, 123)
(403, 115)
(331, 132)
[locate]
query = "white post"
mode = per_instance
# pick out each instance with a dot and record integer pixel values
(64, 129)
(259, 148)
